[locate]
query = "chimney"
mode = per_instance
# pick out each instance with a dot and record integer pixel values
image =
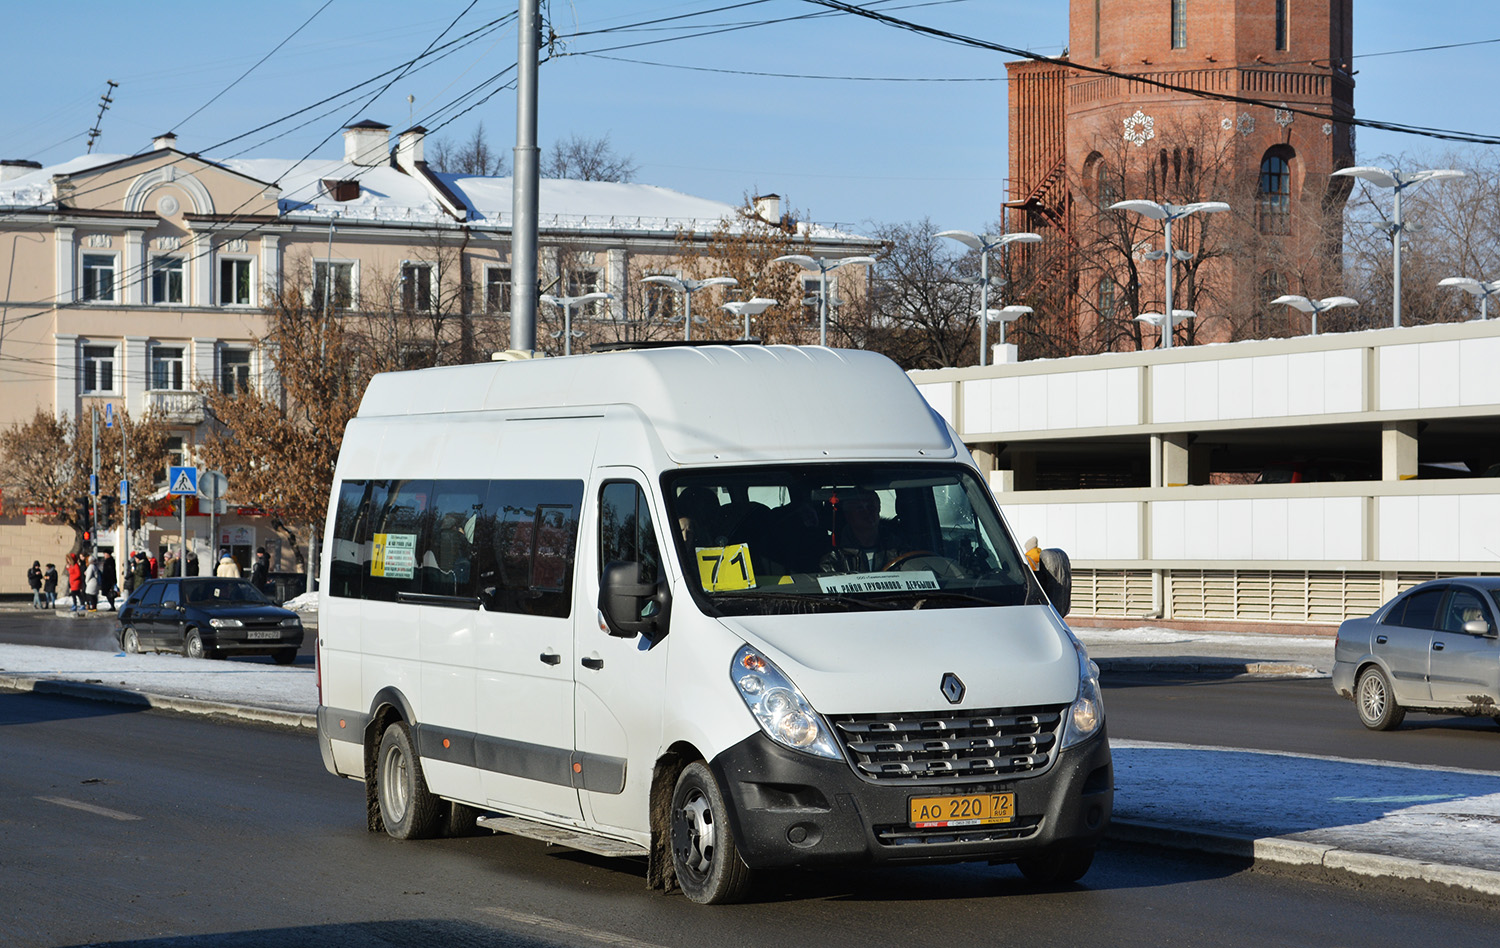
(12, 168)
(767, 207)
(409, 149)
(164, 141)
(367, 144)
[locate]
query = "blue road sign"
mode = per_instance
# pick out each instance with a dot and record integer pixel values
(124, 493)
(109, 414)
(182, 481)
(94, 484)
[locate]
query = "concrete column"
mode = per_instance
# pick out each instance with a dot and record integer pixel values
(1174, 460)
(67, 266)
(618, 282)
(270, 269)
(1154, 449)
(985, 455)
(200, 281)
(133, 374)
(1398, 450)
(204, 361)
(133, 275)
(65, 353)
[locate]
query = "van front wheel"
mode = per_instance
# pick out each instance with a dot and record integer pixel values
(407, 808)
(1058, 867)
(704, 856)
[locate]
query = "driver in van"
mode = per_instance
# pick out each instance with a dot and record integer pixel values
(862, 542)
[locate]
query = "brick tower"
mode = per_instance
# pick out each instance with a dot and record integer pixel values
(1081, 140)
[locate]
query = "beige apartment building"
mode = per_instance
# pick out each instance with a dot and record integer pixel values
(134, 280)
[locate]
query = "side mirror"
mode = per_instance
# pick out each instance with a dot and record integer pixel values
(169, 604)
(1055, 573)
(1478, 627)
(631, 607)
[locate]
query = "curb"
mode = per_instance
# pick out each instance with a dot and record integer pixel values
(1219, 666)
(141, 699)
(1297, 853)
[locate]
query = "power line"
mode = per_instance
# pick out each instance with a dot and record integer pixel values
(795, 75)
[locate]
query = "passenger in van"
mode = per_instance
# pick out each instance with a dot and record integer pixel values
(862, 542)
(698, 517)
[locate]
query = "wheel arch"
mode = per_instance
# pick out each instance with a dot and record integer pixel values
(659, 872)
(387, 707)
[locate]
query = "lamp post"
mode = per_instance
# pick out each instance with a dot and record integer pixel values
(1167, 213)
(984, 243)
(1315, 306)
(1003, 315)
(687, 288)
(1161, 322)
(1478, 288)
(748, 308)
(821, 266)
(566, 304)
(1398, 181)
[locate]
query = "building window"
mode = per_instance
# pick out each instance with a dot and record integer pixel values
(1281, 37)
(166, 280)
(1179, 24)
(1276, 190)
(340, 295)
(234, 282)
(99, 277)
(234, 371)
(166, 368)
(416, 287)
(661, 301)
(98, 369)
(580, 283)
(176, 455)
(1106, 297)
(1096, 27)
(497, 290)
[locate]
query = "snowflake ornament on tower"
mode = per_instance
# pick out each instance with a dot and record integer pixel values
(1140, 128)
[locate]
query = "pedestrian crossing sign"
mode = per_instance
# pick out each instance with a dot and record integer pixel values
(182, 481)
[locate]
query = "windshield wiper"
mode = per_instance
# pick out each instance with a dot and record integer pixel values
(920, 597)
(817, 598)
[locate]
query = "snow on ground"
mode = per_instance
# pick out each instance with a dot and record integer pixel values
(1150, 635)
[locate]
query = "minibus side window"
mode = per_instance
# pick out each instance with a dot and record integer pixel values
(450, 548)
(535, 531)
(625, 531)
(346, 559)
(394, 533)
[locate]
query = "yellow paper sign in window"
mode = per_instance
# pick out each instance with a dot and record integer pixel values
(723, 568)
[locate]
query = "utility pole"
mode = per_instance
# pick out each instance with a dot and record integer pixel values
(104, 101)
(525, 183)
(94, 481)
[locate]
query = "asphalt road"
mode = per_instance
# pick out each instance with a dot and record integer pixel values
(151, 829)
(1297, 715)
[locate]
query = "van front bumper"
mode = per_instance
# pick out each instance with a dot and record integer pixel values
(794, 809)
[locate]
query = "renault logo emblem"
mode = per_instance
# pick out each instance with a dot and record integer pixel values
(953, 688)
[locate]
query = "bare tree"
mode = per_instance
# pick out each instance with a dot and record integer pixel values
(474, 157)
(587, 159)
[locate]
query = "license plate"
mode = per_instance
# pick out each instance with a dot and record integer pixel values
(263, 634)
(977, 809)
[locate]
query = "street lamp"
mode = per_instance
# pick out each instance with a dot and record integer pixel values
(1478, 288)
(1003, 315)
(1315, 306)
(687, 288)
(1397, 181)
(984, 243)
(566, 304)
(1167, 213)
(821, 266)
(1160, 321)
(748, 308)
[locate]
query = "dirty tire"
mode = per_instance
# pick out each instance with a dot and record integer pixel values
(130, 641)
(1376, 702)
(407, 808)
(1057, 868)
(192, 645)
(704, 856)
(284, 656)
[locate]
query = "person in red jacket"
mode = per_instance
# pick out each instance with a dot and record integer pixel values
(75, 583)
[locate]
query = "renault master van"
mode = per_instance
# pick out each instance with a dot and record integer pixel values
(730, 608)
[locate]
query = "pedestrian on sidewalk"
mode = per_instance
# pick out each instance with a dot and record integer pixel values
(109, 579)
(192, 563)
(91, 584)
(141, 569)
(49, 585)
(34, 580)
(227, 566)
(75, 584)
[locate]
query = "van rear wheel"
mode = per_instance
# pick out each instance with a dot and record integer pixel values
(407, 808)
(704, 856)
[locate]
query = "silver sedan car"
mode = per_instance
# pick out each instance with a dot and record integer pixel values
(1434, 648)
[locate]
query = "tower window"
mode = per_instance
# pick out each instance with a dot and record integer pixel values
(1275, 190)
(1097, 4)
(1281, 38)
(1179, 24)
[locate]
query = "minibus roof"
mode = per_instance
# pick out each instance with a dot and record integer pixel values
(707, 404)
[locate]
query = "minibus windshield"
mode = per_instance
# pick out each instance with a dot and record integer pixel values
(841, 537)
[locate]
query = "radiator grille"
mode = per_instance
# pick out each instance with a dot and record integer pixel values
(934, 745)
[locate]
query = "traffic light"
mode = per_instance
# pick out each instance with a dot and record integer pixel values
(82, 513)
(106, 512)
(135, 518)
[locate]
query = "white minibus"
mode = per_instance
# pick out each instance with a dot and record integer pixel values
(725, 607)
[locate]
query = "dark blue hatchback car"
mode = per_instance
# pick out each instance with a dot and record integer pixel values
(207, 617)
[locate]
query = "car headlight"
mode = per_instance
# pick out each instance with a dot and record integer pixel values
(225, 623)
(783, 713)
(289, 623)
(1086, 715)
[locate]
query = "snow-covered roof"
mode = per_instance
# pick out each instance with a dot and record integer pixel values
(389, 194)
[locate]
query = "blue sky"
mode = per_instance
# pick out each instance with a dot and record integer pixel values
(842, 151)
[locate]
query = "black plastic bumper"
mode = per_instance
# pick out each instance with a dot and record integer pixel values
(793, 809)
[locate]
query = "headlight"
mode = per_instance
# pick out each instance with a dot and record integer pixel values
(289, 623)
(1086, 716)
(783, 713)
(225, 623)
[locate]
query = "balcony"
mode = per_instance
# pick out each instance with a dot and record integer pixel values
(178, 407)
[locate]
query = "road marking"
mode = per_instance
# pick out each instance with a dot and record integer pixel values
(89, 808)
(553, 925)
